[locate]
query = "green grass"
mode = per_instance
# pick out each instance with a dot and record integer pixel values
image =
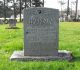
(12, 39)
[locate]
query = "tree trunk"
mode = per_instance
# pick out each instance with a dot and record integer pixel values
(25, 3)
(4, 11)
(20, 11)
(68, 10)
(30, 3)
(43, 3)
(76, 10)
(14, 10)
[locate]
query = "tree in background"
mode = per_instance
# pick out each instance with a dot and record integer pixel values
(76, 15)
(68, 9)
(20, 10)
(4, 10)
(1, 9)
(75, 3)
(22, 4)
(37, 3)
(61, 13)
(14, 4)
(10, 7)
(7, 10)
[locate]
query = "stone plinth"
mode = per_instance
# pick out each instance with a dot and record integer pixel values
(62, 55)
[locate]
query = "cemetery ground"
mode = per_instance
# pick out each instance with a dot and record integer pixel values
(12, 39)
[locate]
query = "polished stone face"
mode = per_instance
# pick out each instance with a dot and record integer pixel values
(41, 28)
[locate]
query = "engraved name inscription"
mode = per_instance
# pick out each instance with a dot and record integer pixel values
(39, 20)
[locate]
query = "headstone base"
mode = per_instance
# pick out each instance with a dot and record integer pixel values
(62, 55)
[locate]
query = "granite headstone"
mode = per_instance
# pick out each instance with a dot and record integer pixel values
(41, 28)
(12, 23)
(1, 21)
(41, 36)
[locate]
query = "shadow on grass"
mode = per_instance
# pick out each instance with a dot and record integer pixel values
(13, 28)
(76, 59)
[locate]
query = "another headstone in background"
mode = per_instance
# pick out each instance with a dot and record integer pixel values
(1, 21)
(12, 23)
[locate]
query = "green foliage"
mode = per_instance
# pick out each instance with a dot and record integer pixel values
(37, 3)
(12, 39)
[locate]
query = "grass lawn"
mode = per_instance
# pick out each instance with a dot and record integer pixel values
(12, 39)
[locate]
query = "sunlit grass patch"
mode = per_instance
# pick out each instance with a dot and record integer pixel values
(12, 39)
